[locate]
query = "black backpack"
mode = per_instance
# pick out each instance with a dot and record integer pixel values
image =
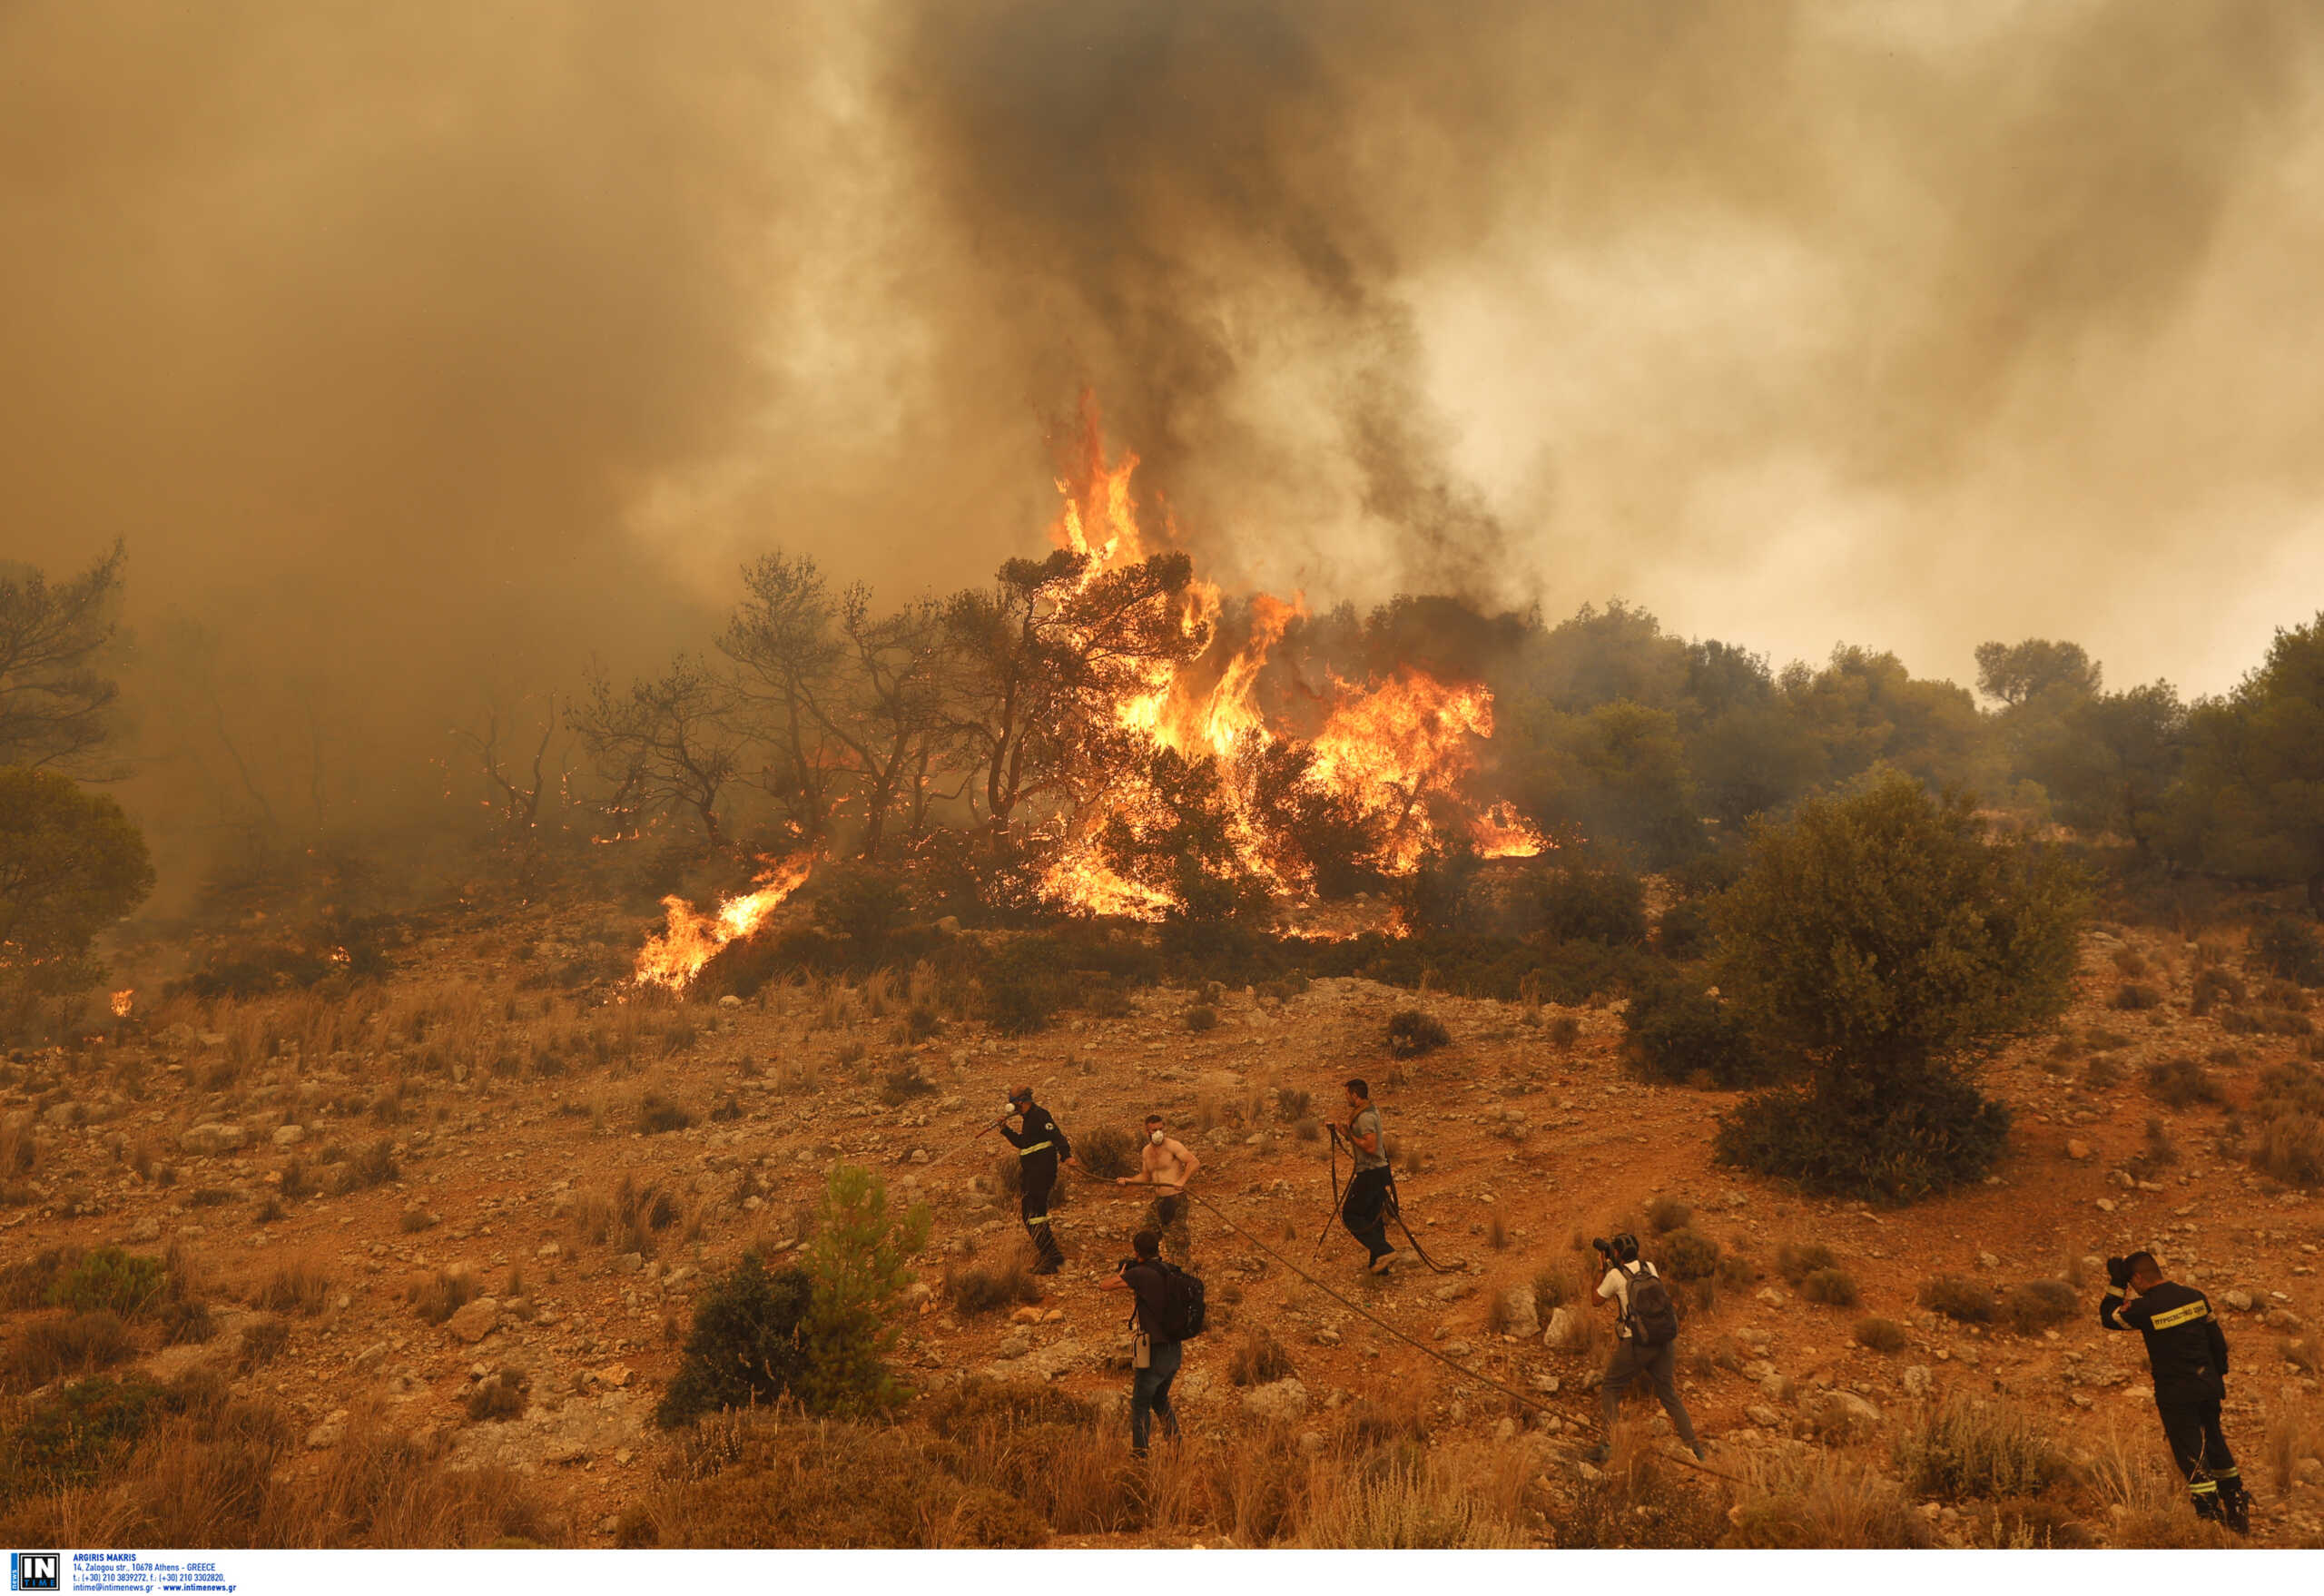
(1185, 1311)
(1653, 1321)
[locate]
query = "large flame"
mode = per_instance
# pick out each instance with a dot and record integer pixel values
(121, 1003)
(1385, 747)
(690, 939)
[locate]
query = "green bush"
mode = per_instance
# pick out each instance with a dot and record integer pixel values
(1680, 1035)
(857, 1263)
(747, 1345)
(73, 864)
(1884, 936)
(1894, 1146)
(1584, 904)
(2036, 1305)
(128, 1284)
(2289, 949)
(1411, 1032)
(1962, 1300)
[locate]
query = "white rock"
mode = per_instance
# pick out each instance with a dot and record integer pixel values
(288, 1136)
(1277, 1402)
(2240, 1301)
(1519, 1311)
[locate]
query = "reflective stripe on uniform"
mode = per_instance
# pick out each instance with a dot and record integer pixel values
(2204, 1487)
(1039, 1219)
(1028, 1152)
(2183, 1314)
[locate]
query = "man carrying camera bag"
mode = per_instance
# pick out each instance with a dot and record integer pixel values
(1647, 1334)
(2187, 1351)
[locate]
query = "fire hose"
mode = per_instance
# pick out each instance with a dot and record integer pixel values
(1393, 1209)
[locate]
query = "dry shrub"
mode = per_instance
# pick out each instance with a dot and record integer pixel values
(1259, 1359)
(979, 1288)
(2293, 1434)
(437, 1296)
(1958, 1298)
(1797, 1260)
(1641, 1501)
(1411, 1032)
(2135, 997)
(499, 1398)
(2289, 1106)
(1291, 1106)
(2037, 1304)
(299, 1286)
(2027, 1524)
(1835, 1288)
(768, 1479)
(263, 1341)
(2182, 1083)
(1878, 1334)
(657, 1115)
(2133, 1484)
(1406, 1499)
(56, 1346)
(375, 1165)
(1107, 1152)
(1971, 1447)
(1821, 1500)
(1668, 1213)
(1564, 1031)
(377, 1488)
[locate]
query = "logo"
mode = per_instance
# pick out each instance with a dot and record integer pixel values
(35, 1571)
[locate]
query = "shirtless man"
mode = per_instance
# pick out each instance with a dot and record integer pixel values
(1164, 1163)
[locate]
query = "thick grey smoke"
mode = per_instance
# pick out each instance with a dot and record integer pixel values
(421, 351)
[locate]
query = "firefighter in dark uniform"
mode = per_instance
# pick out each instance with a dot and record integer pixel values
(2188, 1354)
(1041, 1146)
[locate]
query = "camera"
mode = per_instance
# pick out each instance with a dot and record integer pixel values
(1621, 1249)
(2118, 1272)
(1601, 1244)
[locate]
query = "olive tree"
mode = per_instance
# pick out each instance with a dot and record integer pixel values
(1879, 944)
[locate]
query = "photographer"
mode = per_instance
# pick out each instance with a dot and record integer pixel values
(1156, 1352)
(1647, 1330)
(2186, 1353)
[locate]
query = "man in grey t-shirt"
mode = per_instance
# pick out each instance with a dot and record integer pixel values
(1368, 1190)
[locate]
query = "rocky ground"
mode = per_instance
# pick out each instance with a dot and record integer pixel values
(503, 1176)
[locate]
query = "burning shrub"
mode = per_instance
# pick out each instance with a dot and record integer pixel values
(1411, 1032)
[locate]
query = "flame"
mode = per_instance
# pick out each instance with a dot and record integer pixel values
(122, 1001)
(690, 939)
(1386, 748)
(1500, 832)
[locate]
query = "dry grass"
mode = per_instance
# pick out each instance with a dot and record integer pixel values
(980, 1288)
(1979, 1448)
(1258, 1358)
(1958, 1298)
(299, 1286)
(56, 1347)
(437, 1297)
(1821, 1500)
(2142, 1498)
(2037, 1304)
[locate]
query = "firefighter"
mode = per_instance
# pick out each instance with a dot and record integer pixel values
(2187, 1351)
(1041, 1146)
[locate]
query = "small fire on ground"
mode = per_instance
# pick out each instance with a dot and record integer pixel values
(121, 1003)
(690, 939)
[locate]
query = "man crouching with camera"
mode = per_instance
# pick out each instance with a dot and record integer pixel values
(1647, 1334)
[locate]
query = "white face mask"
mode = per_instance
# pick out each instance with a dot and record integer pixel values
(1154, 1136)
(1007, 1109)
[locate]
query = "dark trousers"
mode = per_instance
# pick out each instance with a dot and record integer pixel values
(1366, 1202)
(2197, 1446)
(1034, 1205)
(1149, 1395)
(1655, 1366)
